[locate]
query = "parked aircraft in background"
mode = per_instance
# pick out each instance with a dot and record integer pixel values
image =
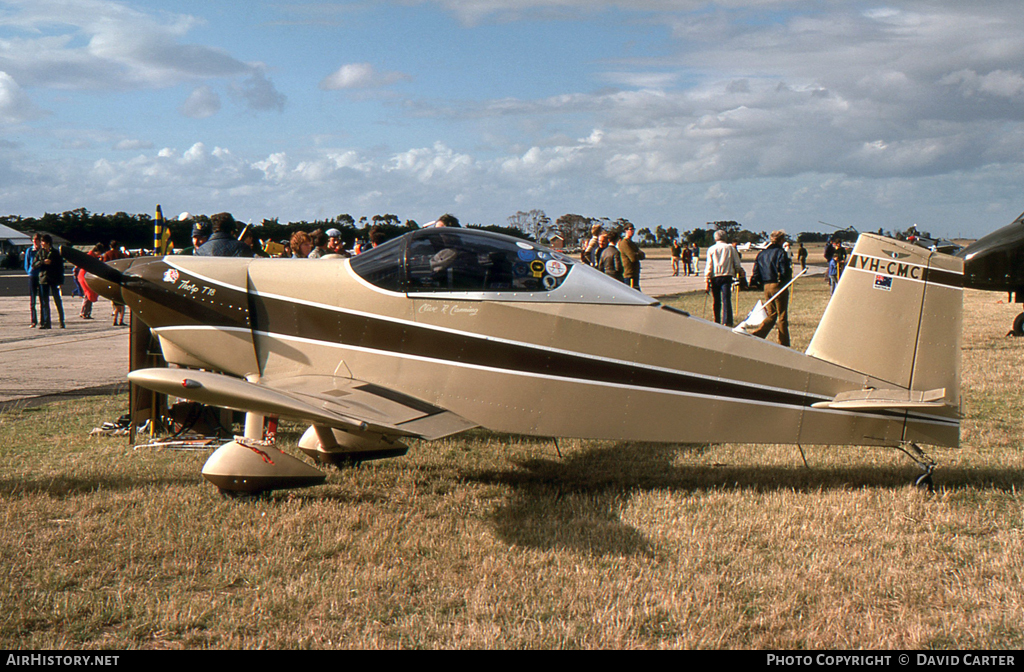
(445, 329)
(996, 263)
(936, 244)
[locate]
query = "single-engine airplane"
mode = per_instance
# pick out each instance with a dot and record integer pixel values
(996, 263)
(445, 329)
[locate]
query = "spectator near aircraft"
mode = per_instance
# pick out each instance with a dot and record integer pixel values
(222, 242)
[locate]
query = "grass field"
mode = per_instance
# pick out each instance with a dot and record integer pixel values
(496, 541)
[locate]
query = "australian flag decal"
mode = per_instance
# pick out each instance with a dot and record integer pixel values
(883, 282)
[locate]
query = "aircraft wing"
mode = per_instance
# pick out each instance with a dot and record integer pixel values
(880, 400)
(332, 401)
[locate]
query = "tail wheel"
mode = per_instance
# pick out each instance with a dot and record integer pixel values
(1018, 326)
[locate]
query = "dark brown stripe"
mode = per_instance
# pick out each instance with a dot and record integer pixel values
(946, 278)
(303, 321)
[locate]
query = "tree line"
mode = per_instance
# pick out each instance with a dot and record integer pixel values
(135, 231)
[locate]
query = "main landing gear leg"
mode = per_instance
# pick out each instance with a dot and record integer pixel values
(924, 461)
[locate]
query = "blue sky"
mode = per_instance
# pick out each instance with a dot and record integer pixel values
(774, 113)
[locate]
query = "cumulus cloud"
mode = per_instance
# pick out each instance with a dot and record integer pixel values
(15, 105)
(202, 103)
(259, 93)
(360, 76)
(424, 164)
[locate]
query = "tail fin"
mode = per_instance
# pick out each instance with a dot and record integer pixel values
(896, 316)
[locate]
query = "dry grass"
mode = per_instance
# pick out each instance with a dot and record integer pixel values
(494, 541)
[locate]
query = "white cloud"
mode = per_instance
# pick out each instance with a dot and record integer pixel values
(642, 80)
(472, 12)
(360, 76)
(426, 163)
(876, 94)
(131, 145)
(101, 45)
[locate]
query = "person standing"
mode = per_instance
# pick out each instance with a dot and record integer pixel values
(832, 276)
(89, 296)
(320, 241)
(801, 256)
(51, 277)
(676, 251)
(591, 251)
(113, 254)
(301, 245)
(774, 269)
(222, 242)
(200, 234)
(609, 259)
(632, 255)
(33, 276)
(720, 268)
(840, 256)
(334, 243)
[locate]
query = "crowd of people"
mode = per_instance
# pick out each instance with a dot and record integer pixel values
(685, 256)
(219, 238)
(44, 266)
(613, 252)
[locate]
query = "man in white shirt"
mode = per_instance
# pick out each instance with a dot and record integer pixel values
(721, 266)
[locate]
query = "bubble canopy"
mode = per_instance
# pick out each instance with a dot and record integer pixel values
(475, 264)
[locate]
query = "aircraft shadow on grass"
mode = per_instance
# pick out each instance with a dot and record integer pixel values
(578, 502)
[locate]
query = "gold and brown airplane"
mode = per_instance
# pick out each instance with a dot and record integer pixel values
(446, 329)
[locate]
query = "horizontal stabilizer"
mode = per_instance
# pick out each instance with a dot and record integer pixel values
(882, 400)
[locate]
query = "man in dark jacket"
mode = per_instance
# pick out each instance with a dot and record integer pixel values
(50, 266)
(773, 268)
(609, 259)
(223, 243)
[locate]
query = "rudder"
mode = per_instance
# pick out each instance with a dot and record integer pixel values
(896, 315)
